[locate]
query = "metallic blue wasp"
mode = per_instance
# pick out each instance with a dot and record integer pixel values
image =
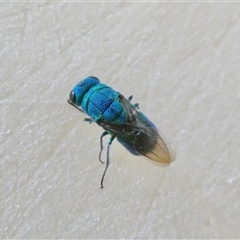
(120, 119)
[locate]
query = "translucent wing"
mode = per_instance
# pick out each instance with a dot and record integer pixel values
(139, 133)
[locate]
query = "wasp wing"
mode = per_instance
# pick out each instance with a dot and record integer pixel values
(139, 133)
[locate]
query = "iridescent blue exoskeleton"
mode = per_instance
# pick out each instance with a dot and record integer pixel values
(120, 119)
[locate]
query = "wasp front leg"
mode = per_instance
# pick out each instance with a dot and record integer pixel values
(89, 120)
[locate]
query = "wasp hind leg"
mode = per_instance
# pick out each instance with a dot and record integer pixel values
(135, 105)
(108, 160)
(101, 145)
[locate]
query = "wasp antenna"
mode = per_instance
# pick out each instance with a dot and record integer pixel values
(77, 107)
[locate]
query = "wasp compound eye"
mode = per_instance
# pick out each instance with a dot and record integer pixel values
(72, 96)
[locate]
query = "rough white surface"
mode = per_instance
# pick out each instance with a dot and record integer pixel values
(181, 61)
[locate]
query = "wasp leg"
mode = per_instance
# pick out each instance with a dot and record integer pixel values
(135, 105)
(101, 145)
(130, 98)
(107, 163)
(89, 120)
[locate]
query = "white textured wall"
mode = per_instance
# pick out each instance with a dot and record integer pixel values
(181, 61)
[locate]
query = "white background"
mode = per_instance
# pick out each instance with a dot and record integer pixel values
(180, 61)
